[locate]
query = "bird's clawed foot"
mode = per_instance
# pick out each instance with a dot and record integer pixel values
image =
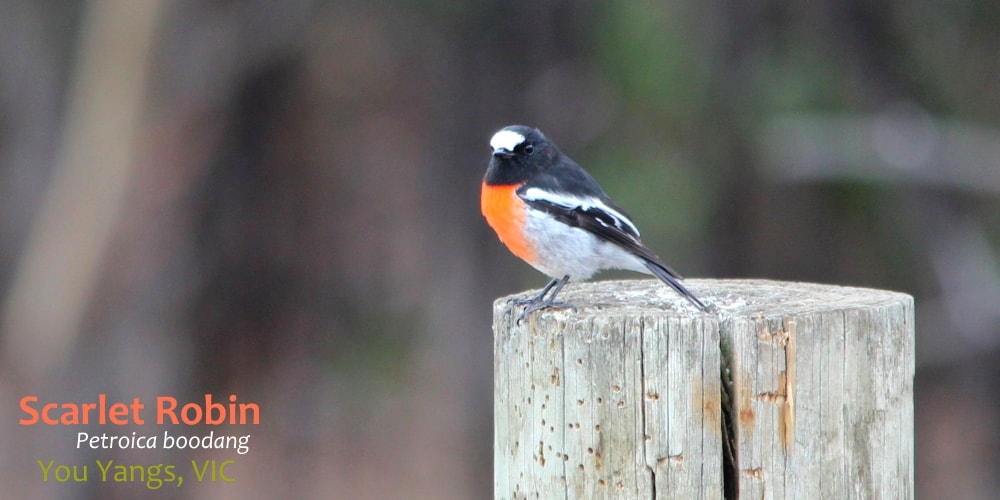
(531, 306)
(539, 302)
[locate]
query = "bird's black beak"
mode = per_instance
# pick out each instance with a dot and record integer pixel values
(502, 153)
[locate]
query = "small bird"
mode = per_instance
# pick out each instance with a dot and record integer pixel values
(553, 215)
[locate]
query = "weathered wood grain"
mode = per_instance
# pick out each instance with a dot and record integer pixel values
(621, 396)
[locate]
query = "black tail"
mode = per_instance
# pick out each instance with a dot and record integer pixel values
(670, 277)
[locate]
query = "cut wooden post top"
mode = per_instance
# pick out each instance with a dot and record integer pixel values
(725, 298)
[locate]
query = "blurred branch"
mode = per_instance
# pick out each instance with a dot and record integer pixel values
(61, 263)
(902, 143)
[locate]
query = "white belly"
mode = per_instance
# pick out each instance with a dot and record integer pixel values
(565, 250)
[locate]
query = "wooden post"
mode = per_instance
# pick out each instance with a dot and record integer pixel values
(785, 390)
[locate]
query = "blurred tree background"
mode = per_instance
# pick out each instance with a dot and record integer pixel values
(280, 200)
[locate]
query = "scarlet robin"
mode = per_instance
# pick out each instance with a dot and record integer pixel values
(553, 215)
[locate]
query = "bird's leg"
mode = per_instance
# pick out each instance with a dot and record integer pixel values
(539, 301)
(539, 297)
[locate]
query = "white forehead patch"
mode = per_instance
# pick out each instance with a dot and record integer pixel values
(506, 140)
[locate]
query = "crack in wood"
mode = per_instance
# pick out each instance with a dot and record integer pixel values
(785, 393)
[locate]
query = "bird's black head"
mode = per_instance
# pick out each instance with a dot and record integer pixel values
(518, 153)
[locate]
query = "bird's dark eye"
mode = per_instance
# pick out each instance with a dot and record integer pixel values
(528, 149)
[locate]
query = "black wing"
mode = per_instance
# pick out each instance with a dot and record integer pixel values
(599, 216)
